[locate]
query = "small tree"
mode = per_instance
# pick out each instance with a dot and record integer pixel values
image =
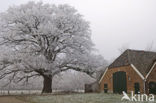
(44, 40)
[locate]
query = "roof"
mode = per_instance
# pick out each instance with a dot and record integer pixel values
(142, 60)
(100, 73)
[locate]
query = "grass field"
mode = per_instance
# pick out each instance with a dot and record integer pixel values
(79, 98)
(69, 98)
(76, 98)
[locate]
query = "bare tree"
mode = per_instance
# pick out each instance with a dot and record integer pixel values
(44, 40)
(150, 47)
(123, 48)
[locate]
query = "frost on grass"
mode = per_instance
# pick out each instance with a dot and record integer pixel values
(78, 98)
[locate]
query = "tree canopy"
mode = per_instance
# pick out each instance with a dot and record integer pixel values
(44, 40)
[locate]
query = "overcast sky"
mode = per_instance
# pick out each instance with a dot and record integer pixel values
(114, 23)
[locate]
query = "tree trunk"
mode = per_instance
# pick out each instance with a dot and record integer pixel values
(47, 84)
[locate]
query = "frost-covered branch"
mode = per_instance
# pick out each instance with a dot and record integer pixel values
(46, 40)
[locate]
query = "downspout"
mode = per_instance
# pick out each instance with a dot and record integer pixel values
(144, 86)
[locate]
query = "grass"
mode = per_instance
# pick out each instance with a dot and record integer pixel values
(77, 98)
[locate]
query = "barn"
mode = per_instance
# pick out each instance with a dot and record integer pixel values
(133, 70)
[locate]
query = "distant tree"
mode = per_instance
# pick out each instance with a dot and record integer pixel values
(44, 40)
(123, 48)
(71, 81)
(150, 47)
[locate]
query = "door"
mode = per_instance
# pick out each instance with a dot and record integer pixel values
(119, 82)
(136, 88)
(152, 88)
(105, 88)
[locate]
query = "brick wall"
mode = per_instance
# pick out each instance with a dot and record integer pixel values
(131, 76)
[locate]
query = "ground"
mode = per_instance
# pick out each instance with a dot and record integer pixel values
(68, 98)
(10, 99)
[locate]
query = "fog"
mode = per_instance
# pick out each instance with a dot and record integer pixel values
(114, 23)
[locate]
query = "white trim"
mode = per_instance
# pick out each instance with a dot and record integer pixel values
(137, 71)
(131, 66)
(103, 75)
(150, 70)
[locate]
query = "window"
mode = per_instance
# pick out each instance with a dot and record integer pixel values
(105, 88)
(137, 88)
(152, 87)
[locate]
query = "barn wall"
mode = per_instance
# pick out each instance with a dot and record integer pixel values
(131, 76)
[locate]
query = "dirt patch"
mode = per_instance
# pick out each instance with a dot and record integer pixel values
(9, 99)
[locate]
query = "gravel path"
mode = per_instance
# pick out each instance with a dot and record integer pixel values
(8, 99)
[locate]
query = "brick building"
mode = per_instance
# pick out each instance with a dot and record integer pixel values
(132, 71)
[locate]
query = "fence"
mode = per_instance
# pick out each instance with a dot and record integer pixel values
(27, 92)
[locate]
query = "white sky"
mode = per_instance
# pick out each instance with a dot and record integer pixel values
(114, 23)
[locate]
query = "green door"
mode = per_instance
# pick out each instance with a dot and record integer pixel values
(119, 82)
